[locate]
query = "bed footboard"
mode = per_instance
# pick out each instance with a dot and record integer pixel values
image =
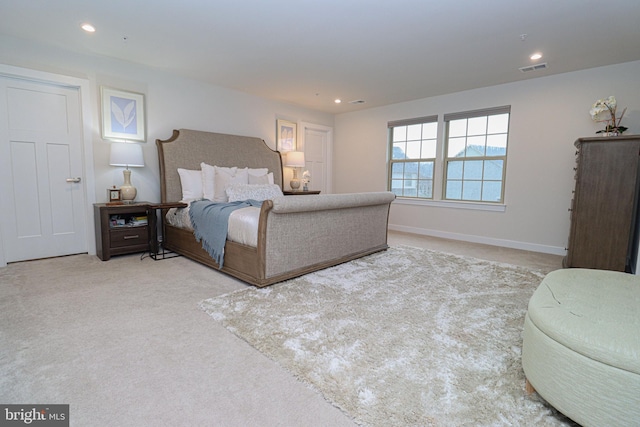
(303, 234)
(298, 235)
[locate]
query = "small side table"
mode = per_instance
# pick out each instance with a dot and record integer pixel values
(156, 250)
(300, 193)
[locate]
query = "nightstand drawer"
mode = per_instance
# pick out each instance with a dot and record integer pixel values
(129, 237)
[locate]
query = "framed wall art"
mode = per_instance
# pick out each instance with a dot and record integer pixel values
(286, 135)
(122, 115)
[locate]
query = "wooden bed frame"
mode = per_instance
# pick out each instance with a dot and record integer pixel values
(296, 234)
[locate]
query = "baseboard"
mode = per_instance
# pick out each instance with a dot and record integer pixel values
(533, 247)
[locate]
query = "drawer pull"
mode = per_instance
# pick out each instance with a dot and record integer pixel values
(131, 237)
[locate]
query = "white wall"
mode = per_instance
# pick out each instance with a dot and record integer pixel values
(171, 103)
(547, 115)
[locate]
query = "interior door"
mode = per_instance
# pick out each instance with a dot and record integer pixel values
(41, 170)
(317, 144)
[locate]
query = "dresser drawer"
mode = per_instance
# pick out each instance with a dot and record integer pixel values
(129, 237)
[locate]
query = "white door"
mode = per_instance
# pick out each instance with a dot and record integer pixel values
(318, 145)
(41, 170)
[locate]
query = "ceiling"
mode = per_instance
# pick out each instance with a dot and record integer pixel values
(309, 52)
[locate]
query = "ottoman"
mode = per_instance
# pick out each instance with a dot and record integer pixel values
(581, 345)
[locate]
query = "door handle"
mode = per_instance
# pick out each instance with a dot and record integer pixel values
(74, 179)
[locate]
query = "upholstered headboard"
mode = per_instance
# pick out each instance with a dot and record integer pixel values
(188, 148)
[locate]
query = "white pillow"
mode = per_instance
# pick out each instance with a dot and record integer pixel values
(258, 172)
(260, 176)
(261, 179)
(225, 177)
(240, 192)
(191, 182)
(208, 177)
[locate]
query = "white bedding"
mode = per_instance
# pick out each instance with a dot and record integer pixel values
(243, 224)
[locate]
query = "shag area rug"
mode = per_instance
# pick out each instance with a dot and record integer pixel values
(403, 337)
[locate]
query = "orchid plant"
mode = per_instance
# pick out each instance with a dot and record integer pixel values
(609, 106)
(306, 179)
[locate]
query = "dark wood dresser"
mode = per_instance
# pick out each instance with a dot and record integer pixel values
(604, 209)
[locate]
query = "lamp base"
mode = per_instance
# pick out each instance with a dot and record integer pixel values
(295, 184)
(127, 191)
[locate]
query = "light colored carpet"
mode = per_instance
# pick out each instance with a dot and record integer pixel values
(124, 343)
(404, 337)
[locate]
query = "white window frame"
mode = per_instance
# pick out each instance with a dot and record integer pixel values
(392, 161)
(440, 178)
(485, 159)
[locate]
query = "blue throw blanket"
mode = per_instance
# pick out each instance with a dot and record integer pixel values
(210, 223)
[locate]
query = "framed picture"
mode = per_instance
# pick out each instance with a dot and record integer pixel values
(122, 115)
(286, 135)
(114, 194)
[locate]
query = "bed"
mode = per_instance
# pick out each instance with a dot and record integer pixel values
(295, 234)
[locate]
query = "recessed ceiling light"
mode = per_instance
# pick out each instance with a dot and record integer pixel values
(338, 101)
(88, 28)
(536, 56)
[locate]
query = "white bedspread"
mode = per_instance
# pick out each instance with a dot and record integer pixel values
(243, 224)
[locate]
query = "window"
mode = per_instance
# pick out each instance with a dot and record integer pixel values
(470, 161)
(413, 156)
(476, 155)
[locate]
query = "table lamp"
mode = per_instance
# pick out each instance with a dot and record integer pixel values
(295, 160)
(127, 155)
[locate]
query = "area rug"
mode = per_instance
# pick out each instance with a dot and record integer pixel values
(407, 336)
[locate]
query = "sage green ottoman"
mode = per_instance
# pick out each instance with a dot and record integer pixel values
(581, 345)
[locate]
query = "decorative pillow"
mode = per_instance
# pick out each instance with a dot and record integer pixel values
(261, 179)
(240, 192)
(225, 177)
(208, 179)
(260, 176)
(191, 182)
(258, 172)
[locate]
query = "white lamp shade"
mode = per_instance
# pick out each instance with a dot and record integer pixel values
(128, 155)
(295, 159)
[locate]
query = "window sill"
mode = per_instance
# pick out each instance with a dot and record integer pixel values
(477, 206)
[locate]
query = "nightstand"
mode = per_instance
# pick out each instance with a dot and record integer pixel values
(121, 229)
(300, 193)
